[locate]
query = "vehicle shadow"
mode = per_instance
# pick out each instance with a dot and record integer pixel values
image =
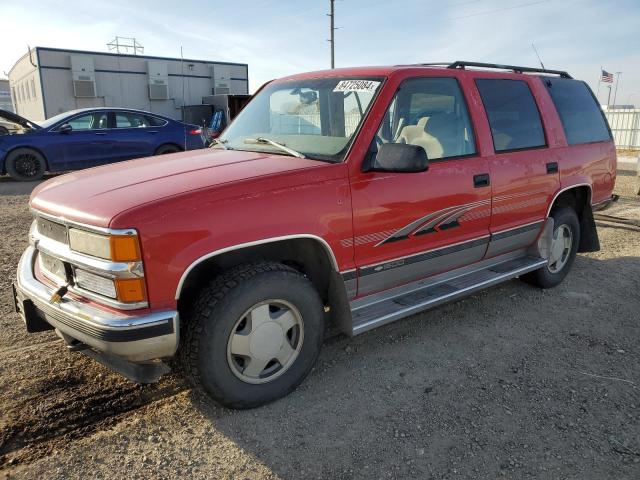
(490, 385)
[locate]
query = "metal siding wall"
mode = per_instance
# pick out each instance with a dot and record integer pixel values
(125, 84)
(21, 74)
(625, 126)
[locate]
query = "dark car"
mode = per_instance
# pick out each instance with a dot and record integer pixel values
(90, 137)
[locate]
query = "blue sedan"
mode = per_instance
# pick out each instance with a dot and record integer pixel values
(87, 138)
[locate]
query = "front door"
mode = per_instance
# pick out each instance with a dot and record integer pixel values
(409, 226)
(88, 143)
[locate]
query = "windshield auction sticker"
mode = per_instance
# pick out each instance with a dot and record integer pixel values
(356, 86)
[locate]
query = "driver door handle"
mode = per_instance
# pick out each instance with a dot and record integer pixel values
(482, 180)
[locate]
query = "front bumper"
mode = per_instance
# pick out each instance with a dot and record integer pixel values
(134, 338)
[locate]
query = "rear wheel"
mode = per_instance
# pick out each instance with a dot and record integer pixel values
(564, 246)
(252, 335)
(25, 164)
(166, 149)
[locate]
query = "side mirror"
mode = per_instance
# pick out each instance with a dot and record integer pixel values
(65, 128)
(400, 158)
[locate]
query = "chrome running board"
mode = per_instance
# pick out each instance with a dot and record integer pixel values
(379, 309)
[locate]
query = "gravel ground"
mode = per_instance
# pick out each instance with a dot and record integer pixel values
(514, 382)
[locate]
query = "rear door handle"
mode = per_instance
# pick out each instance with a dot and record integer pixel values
(101, 133)
(552, 167)
(481, 180)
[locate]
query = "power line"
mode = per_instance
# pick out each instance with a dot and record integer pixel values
(522, 5)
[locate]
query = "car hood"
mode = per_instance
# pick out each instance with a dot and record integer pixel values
(96, 195)
(15, 118)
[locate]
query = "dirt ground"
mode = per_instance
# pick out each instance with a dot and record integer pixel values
(514, 382)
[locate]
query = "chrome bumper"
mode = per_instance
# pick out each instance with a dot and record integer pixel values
(135, 338)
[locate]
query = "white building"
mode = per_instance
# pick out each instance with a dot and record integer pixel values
(49, 81)
(5, 95)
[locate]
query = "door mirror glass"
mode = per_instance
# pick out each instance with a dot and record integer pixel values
(65, 128)
(400, 158)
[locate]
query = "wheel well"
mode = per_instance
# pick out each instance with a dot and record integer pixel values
(4, 160)
(169, 144)
(579, 198)
(308, 256)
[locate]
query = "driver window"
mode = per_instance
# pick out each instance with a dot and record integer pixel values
(93, 121)
(431, 113)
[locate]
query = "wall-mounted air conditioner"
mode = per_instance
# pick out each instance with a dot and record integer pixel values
(83, 76)
(158, 80)
(221, 75)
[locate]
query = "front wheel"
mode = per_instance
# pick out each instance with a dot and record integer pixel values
(564, 246)
(25, 164)
(253, 334)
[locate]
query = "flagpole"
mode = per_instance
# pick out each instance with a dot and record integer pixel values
(615, 95)
(609, 97)
(599, 81)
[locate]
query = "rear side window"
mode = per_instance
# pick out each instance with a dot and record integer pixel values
(513, 114)
(131, 120)
(581, 116)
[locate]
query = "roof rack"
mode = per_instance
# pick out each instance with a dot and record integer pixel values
(462, 64)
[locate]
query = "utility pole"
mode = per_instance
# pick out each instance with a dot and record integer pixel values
(332, 30)
(615, 95)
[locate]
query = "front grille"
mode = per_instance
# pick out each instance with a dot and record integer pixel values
(54, 231)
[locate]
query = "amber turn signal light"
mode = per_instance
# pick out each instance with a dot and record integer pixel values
(124, 248)
(131, 290)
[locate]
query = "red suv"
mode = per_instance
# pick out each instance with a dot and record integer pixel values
(347, 198)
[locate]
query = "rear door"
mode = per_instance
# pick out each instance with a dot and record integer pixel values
(409, 226)
(524, 170)
(135, 136)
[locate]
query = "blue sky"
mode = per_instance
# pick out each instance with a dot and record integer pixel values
(281, 37)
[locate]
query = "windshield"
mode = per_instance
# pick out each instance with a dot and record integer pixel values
(316, 117)
(50, 122)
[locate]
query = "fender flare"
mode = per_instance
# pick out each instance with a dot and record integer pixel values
(199, 260)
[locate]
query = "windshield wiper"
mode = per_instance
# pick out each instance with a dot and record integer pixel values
(284, 148)
(219, 142)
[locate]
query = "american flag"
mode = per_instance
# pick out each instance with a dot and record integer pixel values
(607, 77)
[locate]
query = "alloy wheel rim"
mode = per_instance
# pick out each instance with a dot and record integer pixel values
(560, 248)
(27, 165)
(265, 341)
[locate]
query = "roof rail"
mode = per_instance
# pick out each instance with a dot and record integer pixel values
(462, 64)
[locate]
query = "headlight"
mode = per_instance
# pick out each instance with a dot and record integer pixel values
(119, 248)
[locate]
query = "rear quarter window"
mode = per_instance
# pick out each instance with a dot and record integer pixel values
(579, 112)
(513, 114)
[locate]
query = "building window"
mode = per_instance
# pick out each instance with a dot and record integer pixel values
(33, 89)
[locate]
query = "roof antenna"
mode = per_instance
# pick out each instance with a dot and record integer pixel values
(537, 55)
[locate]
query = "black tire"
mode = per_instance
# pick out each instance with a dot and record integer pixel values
(166, 149)
(3, 130)
(208, 328)
(548, 276)
(25, 164)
